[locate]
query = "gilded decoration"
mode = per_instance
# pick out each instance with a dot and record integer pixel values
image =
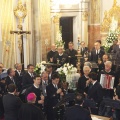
(95, 11)
(45, 26)
(20, 12)
(109, 16)
(56, 18)
(85, 16)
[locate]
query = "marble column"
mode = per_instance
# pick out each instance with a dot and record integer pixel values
(94, 25)
(1, 43)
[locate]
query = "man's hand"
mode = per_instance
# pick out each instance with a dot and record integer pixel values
(40, 101)
(87, 82)
(2, 81)
(61, 94)
(17, 93)
(51, 59)
(85, 94)
(59, 91)
(42, 97)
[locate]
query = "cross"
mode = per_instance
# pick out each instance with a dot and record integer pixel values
(20, 32)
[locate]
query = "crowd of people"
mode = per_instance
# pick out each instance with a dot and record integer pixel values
(24, 95)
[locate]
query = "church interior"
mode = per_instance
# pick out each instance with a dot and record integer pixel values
(57, 48)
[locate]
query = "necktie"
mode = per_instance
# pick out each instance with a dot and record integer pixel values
(32, 75)
(12, 80)
(56, 86)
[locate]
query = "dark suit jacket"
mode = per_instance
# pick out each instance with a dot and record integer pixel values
(82, 84)
(117, 57)
(9, 81)
(29, 111)
(11, 105)
(101, 66)
(116, 48)
(95, 92)
(19, 78)
(94, 56)
(77, 113)
(84, 51)
(27, 79)
(51, 54)
(52, 96)
(72, 57)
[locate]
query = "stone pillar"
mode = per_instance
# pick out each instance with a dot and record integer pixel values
(0, 42)
(85, 27)
(94, 25)
(56, 22)
(45, 26)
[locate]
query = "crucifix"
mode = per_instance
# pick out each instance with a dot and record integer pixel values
(20, 12)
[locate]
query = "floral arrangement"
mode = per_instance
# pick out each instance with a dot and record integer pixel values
(39, 68)
(59, 42)
(65, 70)
(113, 35)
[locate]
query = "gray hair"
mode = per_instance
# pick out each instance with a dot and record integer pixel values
(44, 72)
(108, 63)
(16, 65)
(88, 64)
(86, 67)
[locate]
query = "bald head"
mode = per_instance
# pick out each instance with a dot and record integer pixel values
(53, 47)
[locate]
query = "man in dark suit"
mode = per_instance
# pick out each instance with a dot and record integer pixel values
(28, 77)
(84, 49)
(117, 47)
(44, 82)
(101, 47)
(35, 88)
(60, 58)
(101, 63)
(108, 93)
(11, 77)
(51, 53)
(71, 52)
(95, 91)
(83, 80)
(11, 103)
(77, 112)
(19, 74)
(96, 53)
(53, 95)
(112, 47)
(50, 71)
